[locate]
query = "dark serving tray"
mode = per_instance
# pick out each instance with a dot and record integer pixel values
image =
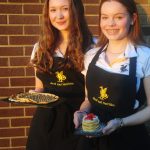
(48, 105)
(97, 133)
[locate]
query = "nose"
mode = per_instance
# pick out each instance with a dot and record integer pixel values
(111, 22)
(59, 14)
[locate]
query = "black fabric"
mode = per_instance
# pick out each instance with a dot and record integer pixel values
(53, 128)
(121, 91)
(141, 96)
(113, 95)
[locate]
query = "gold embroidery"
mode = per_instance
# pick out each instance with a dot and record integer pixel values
(103, 94)
(103, 103)
(117, 61)
(60, 76)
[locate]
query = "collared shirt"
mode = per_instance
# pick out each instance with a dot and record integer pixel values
(122, 65)
(35, 48)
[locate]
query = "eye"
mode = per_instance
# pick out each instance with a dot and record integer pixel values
(66, 8)
(104, 17)
(119, 17)
(52, 10)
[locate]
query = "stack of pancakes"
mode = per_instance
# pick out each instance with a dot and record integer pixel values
(90, 123)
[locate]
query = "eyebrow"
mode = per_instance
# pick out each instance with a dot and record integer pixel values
(61, 6)
(116, 14)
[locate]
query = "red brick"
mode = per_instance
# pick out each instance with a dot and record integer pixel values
(30, 111)
(92, 1)
(4, 82)
(14, 148)
(32, 30)
(33, 9)
(3, 40)
(21, 148)
(9, 72)
(18, 105)
(3, 61)
(10, 9)
(94, 30)
(23, 1)
(12, 132)
(23, 40)
(23, 19)
(11, 51)
(28, 50)
(19, 61)
(3, 104)
(30, 71)
(92, 10)
(3, 19)
(7, 30)
(20, 122)
(11, 112)
(40, 20)
(4, 143)
(3, 0)
(5, 92)
(22, 81)
(92, 20)
(4, 123)
(18, 141)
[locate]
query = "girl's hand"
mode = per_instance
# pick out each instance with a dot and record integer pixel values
(112, 125)
(39, 90)
(32, 91)
(78, 115)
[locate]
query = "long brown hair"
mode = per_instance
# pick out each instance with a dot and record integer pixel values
(135, 33)
(80, 39)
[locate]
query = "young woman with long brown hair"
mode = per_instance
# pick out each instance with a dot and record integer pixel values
(58, 62)
(115, 72)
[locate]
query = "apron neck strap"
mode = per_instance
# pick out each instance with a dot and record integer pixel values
(97, 54)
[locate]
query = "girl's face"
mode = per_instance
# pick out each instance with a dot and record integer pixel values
(115, 21)
(59, 14)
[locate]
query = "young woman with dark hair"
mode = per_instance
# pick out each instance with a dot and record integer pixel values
(115, 72)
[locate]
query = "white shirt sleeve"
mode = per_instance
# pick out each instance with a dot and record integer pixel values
(147, 67)
(144, 60)
(35, 48)
(88, 58)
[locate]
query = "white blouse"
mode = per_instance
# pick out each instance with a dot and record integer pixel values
(143, 62)
(35, 48)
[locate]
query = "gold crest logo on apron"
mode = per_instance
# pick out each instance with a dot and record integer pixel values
(103, 93)
(103, 96)
(61, 79)
(60, 76)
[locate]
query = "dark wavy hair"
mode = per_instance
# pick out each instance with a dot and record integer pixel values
(135, 33)
(80, 38)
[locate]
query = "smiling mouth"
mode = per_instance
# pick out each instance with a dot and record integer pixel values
(61, 23)
(112, 31)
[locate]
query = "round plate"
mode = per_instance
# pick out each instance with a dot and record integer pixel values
(49, 105)
(97, 133)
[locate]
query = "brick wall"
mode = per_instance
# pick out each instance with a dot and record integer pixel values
(19, 30)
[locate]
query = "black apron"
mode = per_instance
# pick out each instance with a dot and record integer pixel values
(112, 96)
(52, 128)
